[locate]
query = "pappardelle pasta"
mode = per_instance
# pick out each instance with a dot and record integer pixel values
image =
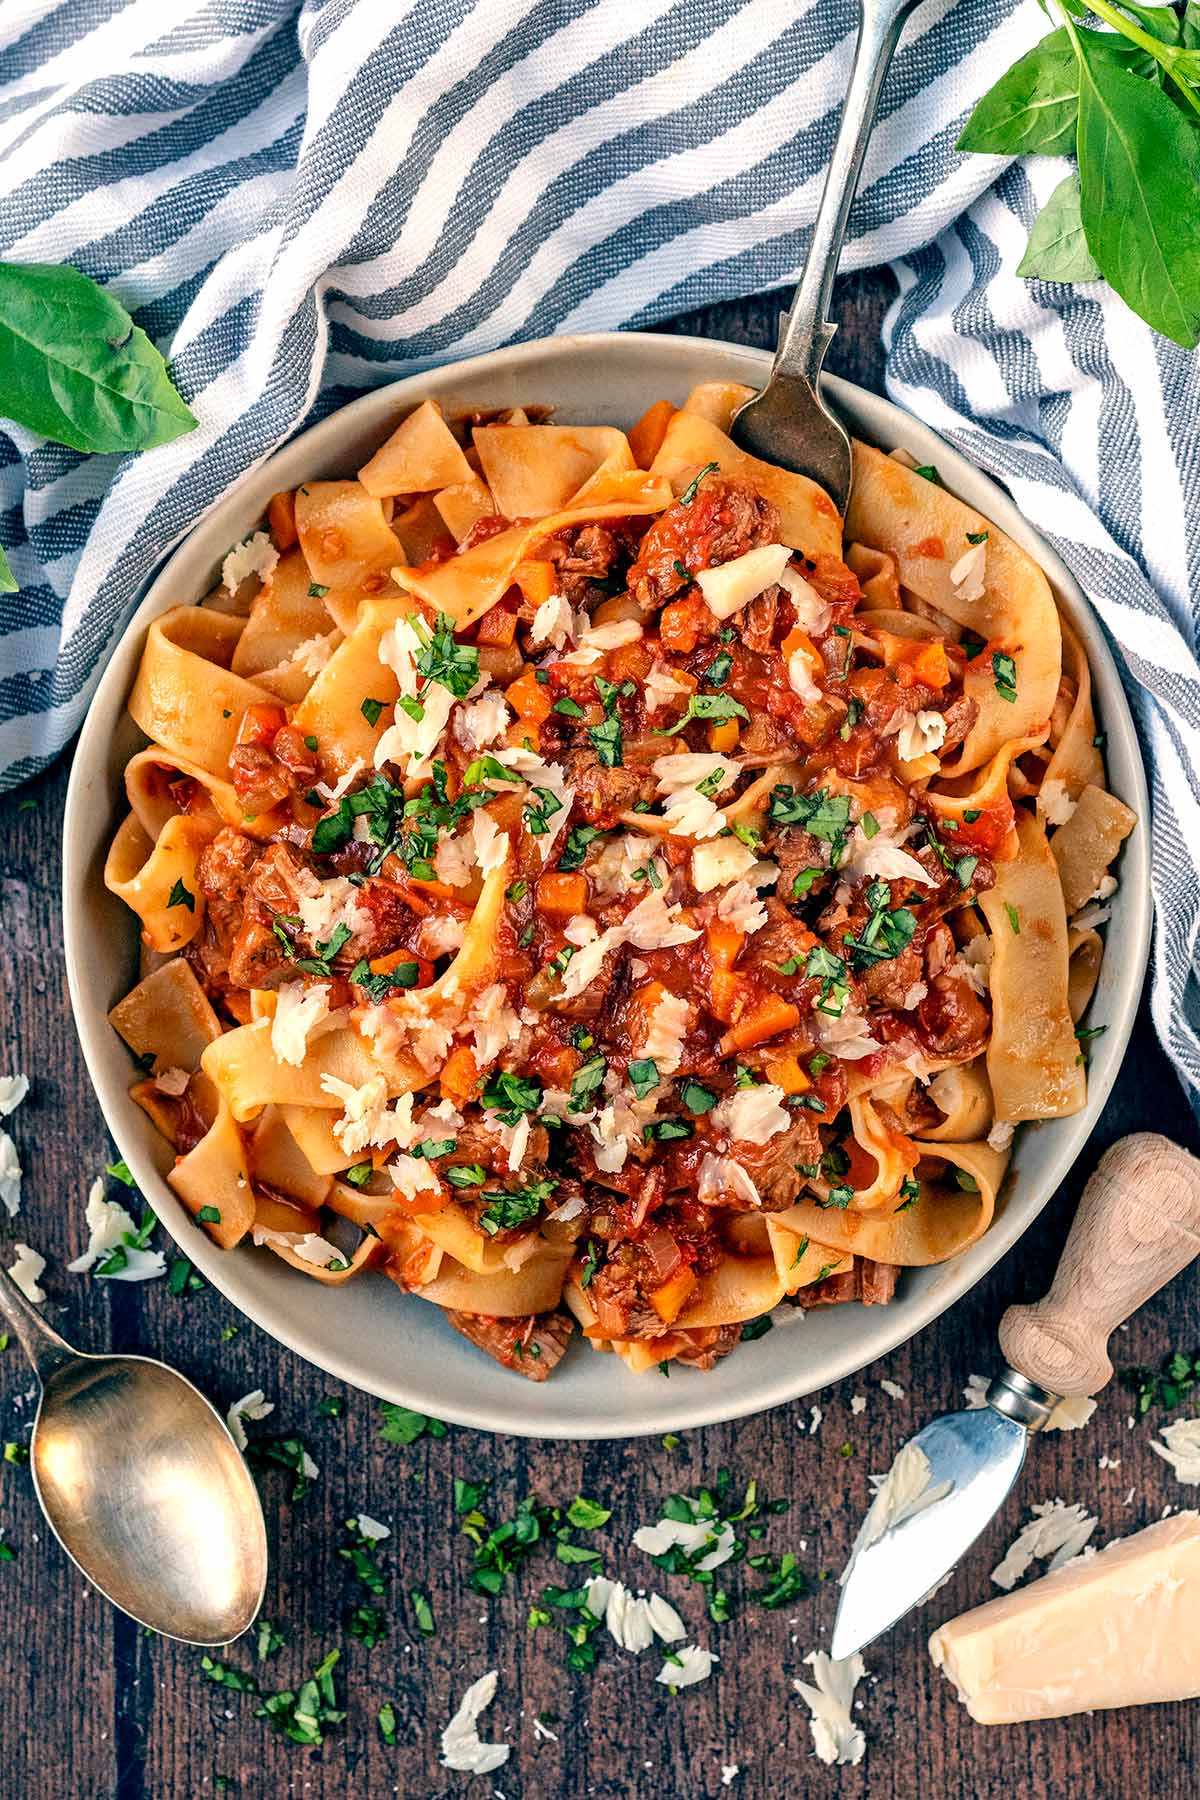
(583, 880)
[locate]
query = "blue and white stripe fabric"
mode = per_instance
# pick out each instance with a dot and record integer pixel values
(302, 201)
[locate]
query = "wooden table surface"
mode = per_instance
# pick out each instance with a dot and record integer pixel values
(96, 1709)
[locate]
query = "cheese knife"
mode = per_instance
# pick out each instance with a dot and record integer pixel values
(1137, 1226)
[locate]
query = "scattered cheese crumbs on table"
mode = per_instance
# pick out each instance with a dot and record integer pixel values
(1181, 1448)
(371, 1529)
(633, 1621)
(858, 1403)
(892, 1389)
(462, 1748)
(13, 1089)
(541, 1731)
(10, 1176)
(684, 1668)
(111, 1243)
(730, 1773)
(691, 1537)
(27, 1271)
(815, 1418)
(1056, 1530)
(254, 1405)
(836, 1738)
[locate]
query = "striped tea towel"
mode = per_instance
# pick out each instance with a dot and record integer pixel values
(301, 201)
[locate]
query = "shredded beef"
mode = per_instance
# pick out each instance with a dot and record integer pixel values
(223, 871)
(726, 518)
(772, 1166)
(602, 795)
(756, 625)
(530, 1346)
(706, 1345)
(889, 983)
(954, 1019)
(874, 1283)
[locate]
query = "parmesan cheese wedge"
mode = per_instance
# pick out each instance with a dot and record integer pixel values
(1121, 1628)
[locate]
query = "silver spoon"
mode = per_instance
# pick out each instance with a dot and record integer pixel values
(142, 1485)
(788, 422)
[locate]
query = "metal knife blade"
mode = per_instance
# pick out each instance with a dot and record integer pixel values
(980, 1454)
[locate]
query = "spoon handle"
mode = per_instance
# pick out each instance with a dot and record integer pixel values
(805, 329)
(40, 1342)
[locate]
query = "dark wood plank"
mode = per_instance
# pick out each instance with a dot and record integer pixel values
(97, 1709)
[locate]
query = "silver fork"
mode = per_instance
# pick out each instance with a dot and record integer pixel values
(788, 422)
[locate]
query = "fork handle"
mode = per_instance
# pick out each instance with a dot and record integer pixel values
(805, 330)
(1137, 1226)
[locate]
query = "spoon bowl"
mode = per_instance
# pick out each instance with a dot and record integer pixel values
(143, 1486)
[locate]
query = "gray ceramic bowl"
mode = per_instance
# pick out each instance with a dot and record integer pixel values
(368, 1333)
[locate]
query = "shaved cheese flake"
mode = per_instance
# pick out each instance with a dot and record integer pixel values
(692, 815)
(492, 1022)
(754, 1114)
(667, 1029)
(660, 686)
(257, 555)
(717, 864)
(723, 1175)
(848, 1036)
(319, 1252)
(1054, 803)
(1181, 1448)
(653, 925)
(921, 734)
(461, 1746)
(27, 1272)
(10, 1176)
(312, 655)
(109, 1226)
(491, 844)
(298, 1009)
(836, 1738)
(412, 1177)
(597, 640)
(480, 722)
(800, 677)
(906, 1490)
(714, 1538)
(1056, 1530)
(684, 1668)
(742, 908)
(254, 1405)
(688, 768)
(553, 622)
(813, 615)
(411, 741)
(371, 1529)
(967, 575)
(13, 1089)
(731, 586)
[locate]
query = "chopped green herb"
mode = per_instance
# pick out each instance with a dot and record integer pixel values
(209, 1215)
(570, 709)
(180, 896)
(422, 1612)
(302, 1716)
(387, 1723)
(696, 1098)
(717, 672)
(586, 1083)
(359, 1174)
(1014, 918)
(927, 472)
(401, 1425)
(269, 1640)
(465, 1175)
(371, 709)
(716, 707)
(690, 491)
(1005, 671)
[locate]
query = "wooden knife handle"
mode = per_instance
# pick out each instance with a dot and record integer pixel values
(1137, 1226)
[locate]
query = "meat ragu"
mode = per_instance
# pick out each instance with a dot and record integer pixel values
(562, 881)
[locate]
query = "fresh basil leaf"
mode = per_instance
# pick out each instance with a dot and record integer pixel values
(76, 369)
(1139, 165)
(1057, 249)
(8, 582)
(1031, 109)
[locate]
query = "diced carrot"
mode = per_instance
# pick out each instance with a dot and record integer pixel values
(629, 662)
(788, 1075)
(724, 943)
(259, 725)
(530, 698)
(723, 736)
(497, 626)
(645, 439)
(916, 662)
(429, 890)
(766, 1020)
(683, 623)
(562, 896)
(281, 517)
(723, 991)
(668, 1300)
(523, 734)
(536, 581)
(459, 1077)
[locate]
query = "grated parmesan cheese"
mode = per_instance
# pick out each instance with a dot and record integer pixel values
(461, 1746)
(298, 1010)
(742, 908)
(967, 575)
(412, 1177)
(921, 734)
(251, 1406)
(688, 768)
(723, 1175)
(632, 1621)
(812, 613)
(692, 815)
(753, 1114)
(687, 1666)
(13, 1089)
(255, 555)
(319, 1252)
(553, 622)
(408, 741)
(1056, 1530)
(660, 686)
(732, 585)
(27, 1272)
(829, 1697)
(718, 864)
(491, 845)
(10, 1176)
(848, 1036)
(109, 1226)
(480, 722)
(371, 1529)
(596, 640)
(492, 1023)
(1181, 1448)
(664, 1038)
(1054, 803)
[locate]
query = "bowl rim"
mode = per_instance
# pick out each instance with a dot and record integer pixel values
(786, 1379)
